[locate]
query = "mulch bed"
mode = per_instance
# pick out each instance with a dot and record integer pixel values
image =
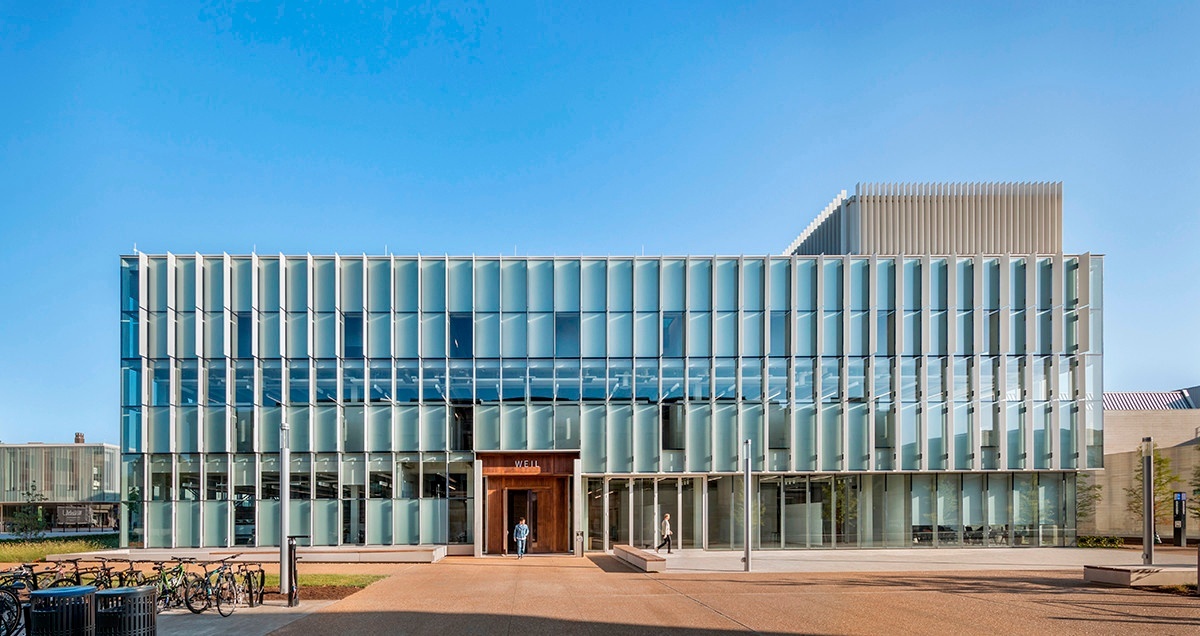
(316, 593)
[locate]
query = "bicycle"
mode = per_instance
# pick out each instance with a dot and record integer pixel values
(10, 612)
(217, 586)
(253, 582)
(15, 585)
(171, 583)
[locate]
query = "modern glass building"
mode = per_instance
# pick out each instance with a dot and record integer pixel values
(77, 484)
(922, 368)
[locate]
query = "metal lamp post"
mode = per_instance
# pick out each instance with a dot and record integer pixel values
(1147, 501)
(746, 507)
(285, 496)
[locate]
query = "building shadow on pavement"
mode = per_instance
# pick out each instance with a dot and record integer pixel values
(366, 623)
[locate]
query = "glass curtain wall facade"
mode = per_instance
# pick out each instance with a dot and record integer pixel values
(889, 401)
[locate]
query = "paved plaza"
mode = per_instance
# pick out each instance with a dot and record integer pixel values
(1037, 591)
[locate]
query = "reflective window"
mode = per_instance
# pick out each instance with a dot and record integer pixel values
(352, 336)
(672, 334)
(461, 339)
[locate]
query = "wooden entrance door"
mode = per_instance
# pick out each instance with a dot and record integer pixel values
(544, 504)
(532, 485)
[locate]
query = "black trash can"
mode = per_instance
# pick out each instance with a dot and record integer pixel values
(127, 611)
(63, 611)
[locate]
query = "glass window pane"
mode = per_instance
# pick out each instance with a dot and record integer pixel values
(487, 285)
(541, 285)
(433, 285)
(593, 284)
(352, 284)
(753, 280)
(726, 284)
(324, 284)
(566, 285)
(459, 287)
(699, 285)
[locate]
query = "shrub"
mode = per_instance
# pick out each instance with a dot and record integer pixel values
(1087, 541)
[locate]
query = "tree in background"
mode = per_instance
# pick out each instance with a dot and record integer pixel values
(1164, 491)
(27, 522)
(1195, 484)
(1087, 494)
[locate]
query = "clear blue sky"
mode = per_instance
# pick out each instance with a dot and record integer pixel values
(556, 128)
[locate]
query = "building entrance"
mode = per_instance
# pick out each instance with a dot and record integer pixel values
(536, 487)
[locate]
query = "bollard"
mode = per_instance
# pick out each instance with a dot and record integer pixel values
(293, 591)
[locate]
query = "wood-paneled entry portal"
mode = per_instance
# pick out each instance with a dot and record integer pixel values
(531, 485)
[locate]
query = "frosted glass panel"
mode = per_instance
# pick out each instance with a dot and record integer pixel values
(620, 444)
(514, 286)
(379, 285)
(699, 437)
(726, 333)
(831, 437)
(325, 522)
(459, 289)
(352, 284)
(487, 428)
(620, 286)
(267, 528)
(407, 429)
(620, 335)
(513, 336)
(541, 285)
(700, 285)
(646, 336)
(699, 334)
(672, 290)
(513, 427)
(725, 437)
(726, 285)
(541, 427)
(433, 335)
(433, 285)
(646, 285)
(593, 436)
(405, 276)
(645, 438)
(407, 529)
(433, 428)
(487, 335)
(752, 284)
(566, 286)
(434, 521)
(594, 286)
(379, 521)
(487, 285)
(541, 335)
(187, 524)
(379, 336)
(593, 338)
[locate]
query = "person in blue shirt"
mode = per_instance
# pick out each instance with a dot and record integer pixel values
(521, 534)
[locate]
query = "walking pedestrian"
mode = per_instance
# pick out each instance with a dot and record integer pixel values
(521, 534)
(666, 533)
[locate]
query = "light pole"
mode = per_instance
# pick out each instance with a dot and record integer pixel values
(285, 496)
(1147, 501)
(746, 506)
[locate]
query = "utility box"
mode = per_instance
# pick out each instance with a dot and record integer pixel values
(1180, 507)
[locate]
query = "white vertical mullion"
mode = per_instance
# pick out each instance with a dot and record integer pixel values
(818, 366)
(872, 354)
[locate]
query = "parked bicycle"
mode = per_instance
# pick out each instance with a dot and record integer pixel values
(217, 586)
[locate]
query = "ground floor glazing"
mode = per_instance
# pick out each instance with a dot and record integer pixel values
(470, 504)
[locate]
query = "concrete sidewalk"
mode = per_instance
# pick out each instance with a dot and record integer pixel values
(600, 595)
